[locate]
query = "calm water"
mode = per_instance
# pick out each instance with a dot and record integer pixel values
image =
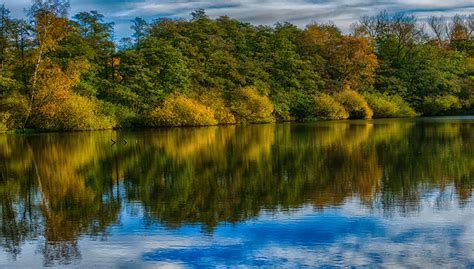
(384, 193)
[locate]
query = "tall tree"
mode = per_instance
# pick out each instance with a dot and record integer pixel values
(49, 27)
(4, 23)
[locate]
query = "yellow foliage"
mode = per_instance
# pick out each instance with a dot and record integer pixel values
(178, 110)
(389, 106)
(325, 107)
(214, 100)
(249, 106)
(73, 113)
(49, 29)
(4, 116)
(355, 104)
(441, 104)
(56, 107)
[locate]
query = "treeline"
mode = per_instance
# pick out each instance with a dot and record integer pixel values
(67, 73)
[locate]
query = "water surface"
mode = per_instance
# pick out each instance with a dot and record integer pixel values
(384, 193)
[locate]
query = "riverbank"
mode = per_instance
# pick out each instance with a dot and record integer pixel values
(37, 131)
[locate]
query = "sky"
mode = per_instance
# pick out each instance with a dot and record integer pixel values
(300, 12)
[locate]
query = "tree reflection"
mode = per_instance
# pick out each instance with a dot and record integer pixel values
(44, 193)
(62, 186)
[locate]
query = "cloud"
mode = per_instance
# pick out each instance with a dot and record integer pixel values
(300, 12)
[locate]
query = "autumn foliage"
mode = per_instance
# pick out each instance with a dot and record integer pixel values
(251, 106)
(355, 104)
(385, 106)
(326, 107)
(178, 110)
(61, 72)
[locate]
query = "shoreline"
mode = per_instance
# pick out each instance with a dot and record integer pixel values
(38, 131)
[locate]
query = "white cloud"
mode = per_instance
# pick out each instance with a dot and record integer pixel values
(300, 12)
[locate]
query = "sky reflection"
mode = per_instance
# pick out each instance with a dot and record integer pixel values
(341, 236)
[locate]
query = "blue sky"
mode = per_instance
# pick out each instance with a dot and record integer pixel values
(300, 12)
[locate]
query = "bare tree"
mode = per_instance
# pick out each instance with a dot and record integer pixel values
(439, 27)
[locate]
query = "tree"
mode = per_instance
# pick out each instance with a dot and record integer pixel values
(98, 37)
(49, 27)
(4, 25)
(140, 28)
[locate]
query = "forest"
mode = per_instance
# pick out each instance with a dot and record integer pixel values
(69, 72)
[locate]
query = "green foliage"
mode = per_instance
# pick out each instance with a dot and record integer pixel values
(250, 106)
(355, 104)
(241, 72)
(325, 107)
(123, 115)
(385, 106)
(441, 105)
(178, 110)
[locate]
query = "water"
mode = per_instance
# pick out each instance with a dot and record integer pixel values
(382, 193)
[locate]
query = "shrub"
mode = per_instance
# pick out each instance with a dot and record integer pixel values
(124, 116)
(355, 104)
(222, 112)
(82, 113)
(385, 106)
(249, 106)
(73, 113)
(440, 105)
(178, 110)
(325, 107)
(8, 84)
(282, 102)
(17, 106)
(4, 116)
(224, 116)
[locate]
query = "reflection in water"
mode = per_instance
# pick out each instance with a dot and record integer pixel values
(58, 190)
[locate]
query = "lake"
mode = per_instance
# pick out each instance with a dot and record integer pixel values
(384, 193)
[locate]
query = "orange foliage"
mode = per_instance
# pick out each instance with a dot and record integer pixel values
(353, 58)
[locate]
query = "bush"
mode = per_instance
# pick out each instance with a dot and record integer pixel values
(124, 116)
(82, 113)
(4, 116)
(385, 106)
(8, 85)
(249, 106)
(440, 105)
(355, 104)
(178, 110)
(325, 107)
(73, 113)
(17, 106)
(214, 100)
(282, 105)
